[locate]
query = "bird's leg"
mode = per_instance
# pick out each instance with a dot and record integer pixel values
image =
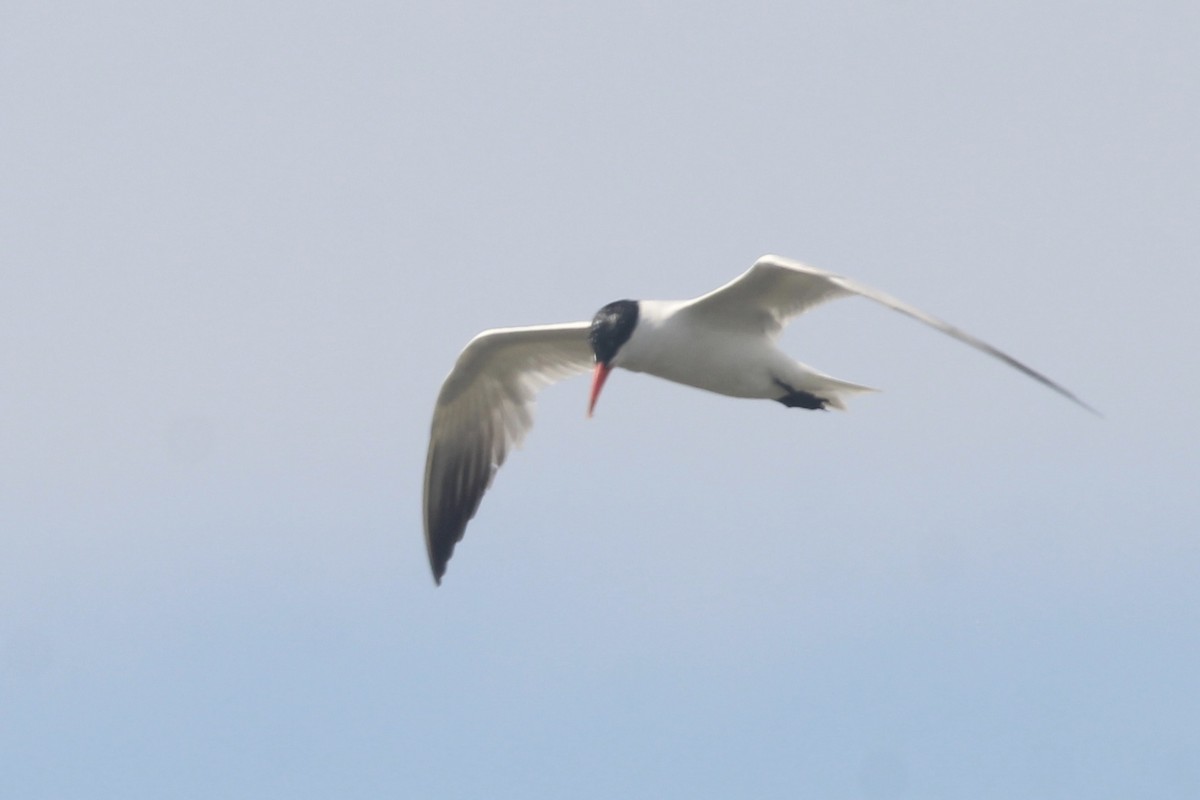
(798, 399)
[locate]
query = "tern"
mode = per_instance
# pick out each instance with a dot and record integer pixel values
(723, 341)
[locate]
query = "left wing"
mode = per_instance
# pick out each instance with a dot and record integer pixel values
(775, 289)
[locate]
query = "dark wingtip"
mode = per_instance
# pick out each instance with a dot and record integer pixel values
(438, 568)
(1033, 373)
(1071, 396)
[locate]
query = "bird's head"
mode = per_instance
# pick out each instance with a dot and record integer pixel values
(611, 328)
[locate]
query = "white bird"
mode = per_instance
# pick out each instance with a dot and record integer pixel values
(723, 341)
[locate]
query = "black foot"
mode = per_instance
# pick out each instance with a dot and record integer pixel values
(798, 399)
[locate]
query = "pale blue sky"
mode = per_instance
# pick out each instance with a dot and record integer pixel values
(241, 245)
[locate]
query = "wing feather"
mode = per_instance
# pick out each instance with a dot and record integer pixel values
(775, 289)
(484, 410)
(763, 298)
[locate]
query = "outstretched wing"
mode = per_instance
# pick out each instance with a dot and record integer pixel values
(484, 409)
(775, 289)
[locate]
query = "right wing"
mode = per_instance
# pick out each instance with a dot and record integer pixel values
(484, 409)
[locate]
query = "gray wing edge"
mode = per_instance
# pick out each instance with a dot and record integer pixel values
(458, 472)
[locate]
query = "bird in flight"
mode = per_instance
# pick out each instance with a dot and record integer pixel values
(723, 341)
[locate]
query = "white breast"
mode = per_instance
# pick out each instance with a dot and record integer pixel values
(671, 345)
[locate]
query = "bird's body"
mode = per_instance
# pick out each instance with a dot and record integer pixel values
(674, 341)
(723, 342)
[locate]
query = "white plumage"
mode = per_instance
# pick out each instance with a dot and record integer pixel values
(723, 341)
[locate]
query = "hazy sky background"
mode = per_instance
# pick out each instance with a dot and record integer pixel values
(241, 245)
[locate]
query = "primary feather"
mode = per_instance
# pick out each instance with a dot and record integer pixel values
(484, 409)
